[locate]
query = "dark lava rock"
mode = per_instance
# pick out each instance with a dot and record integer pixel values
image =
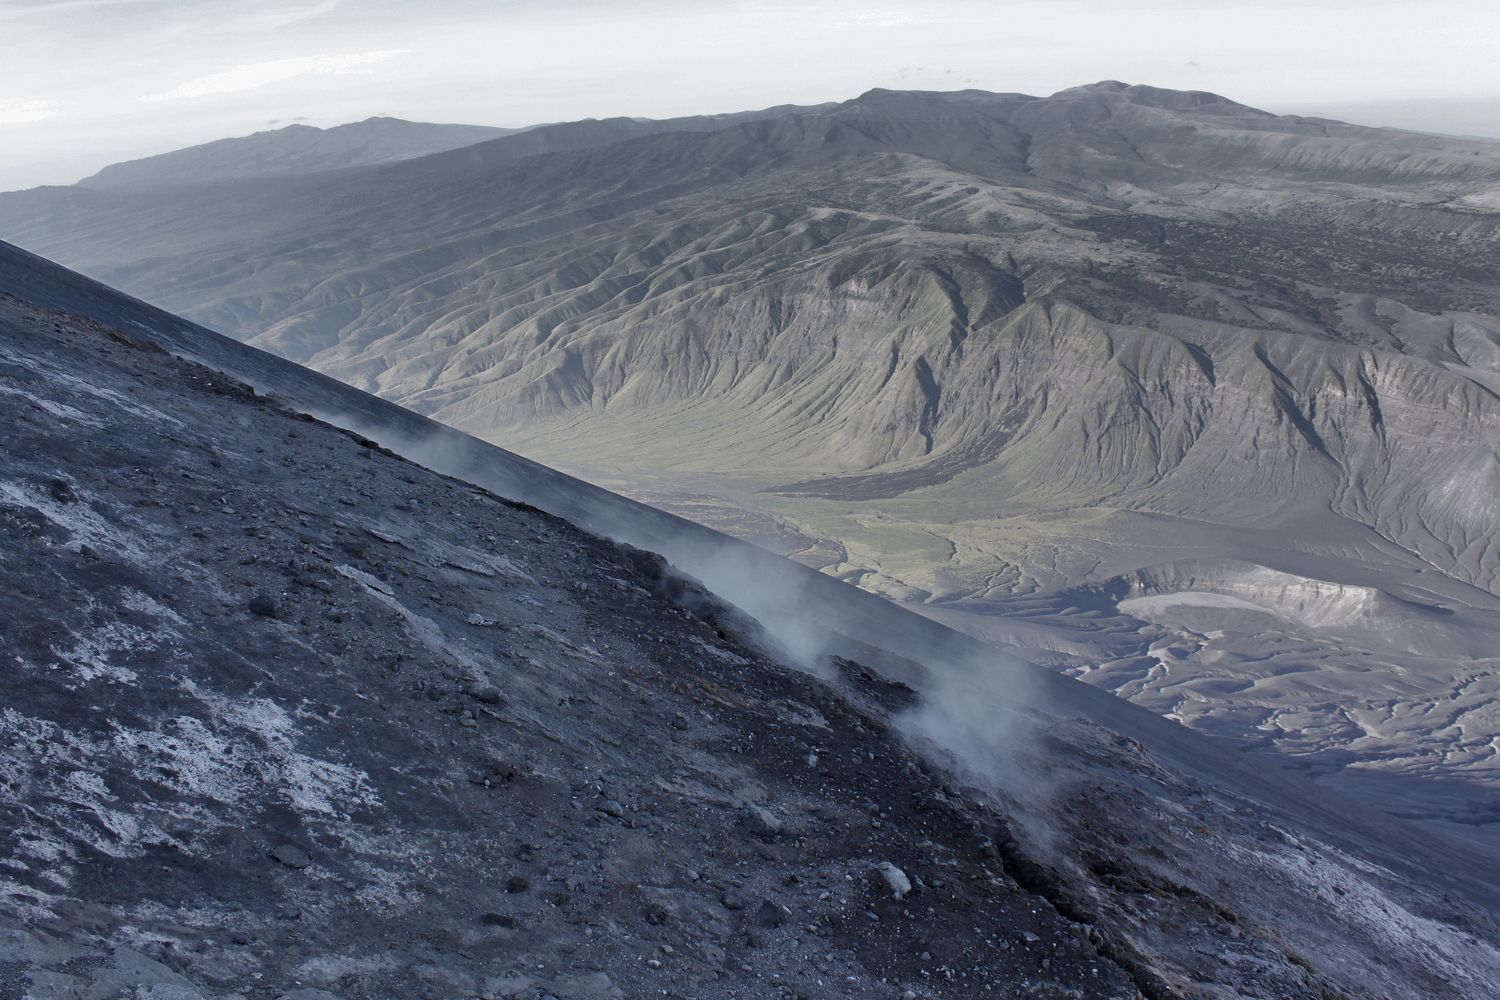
(771, 914)
(760, 821)
(893, 878)
(493, 773)
(498, 920)
(656, 913)
(290, 855)
(486, 693)
(517, 883)
(62, 491)
(263, 605)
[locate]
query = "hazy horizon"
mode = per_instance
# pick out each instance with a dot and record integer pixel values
(85, 83)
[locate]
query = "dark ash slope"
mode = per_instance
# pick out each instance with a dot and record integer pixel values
(470, 750)
(289, 716)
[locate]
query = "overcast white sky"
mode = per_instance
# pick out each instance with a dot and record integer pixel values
(89, 82)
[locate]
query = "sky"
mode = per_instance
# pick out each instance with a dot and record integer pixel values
(84, 83)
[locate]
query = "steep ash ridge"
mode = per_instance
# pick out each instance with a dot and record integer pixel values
(291, 716)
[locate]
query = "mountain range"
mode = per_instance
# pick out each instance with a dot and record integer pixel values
(1191, 401)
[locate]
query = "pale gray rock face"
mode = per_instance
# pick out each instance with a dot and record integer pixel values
(1192, 401)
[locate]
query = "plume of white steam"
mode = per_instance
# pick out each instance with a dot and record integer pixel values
(976, 706)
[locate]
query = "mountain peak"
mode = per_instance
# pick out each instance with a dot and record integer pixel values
(1144, 95)
(1157, 97)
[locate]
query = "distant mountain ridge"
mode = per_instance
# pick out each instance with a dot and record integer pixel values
(305, 149)
(293, 149)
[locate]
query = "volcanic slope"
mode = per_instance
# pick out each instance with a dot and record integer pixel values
(1018, 362)
(291, 716)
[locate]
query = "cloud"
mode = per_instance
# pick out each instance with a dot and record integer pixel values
(14, 112)
(272, 20)
(887, 19)
(15, 9)
(261, 74)
(268, 20)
